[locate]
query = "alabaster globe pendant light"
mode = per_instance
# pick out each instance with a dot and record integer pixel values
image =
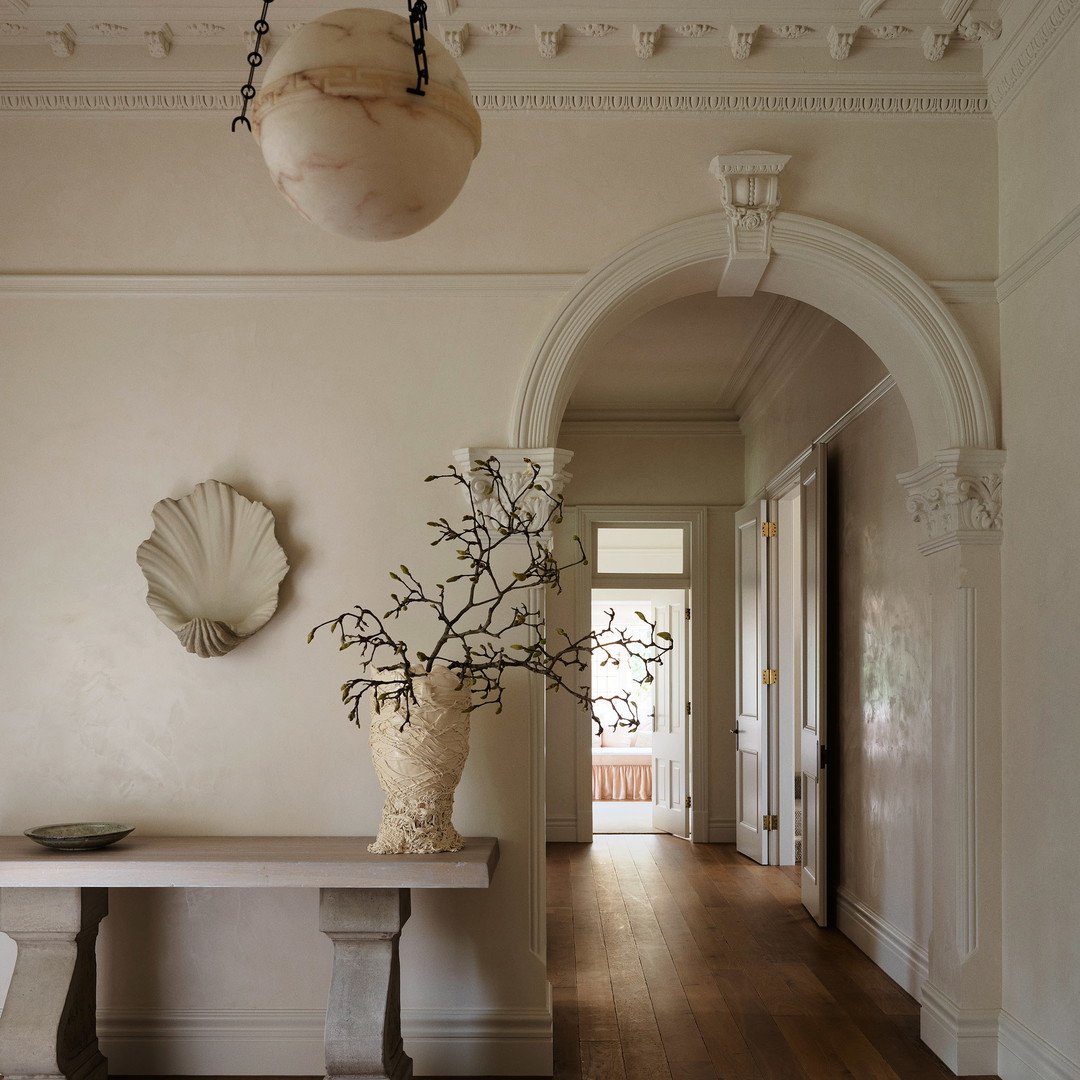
(368, 129)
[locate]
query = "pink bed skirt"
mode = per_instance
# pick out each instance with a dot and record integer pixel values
(619, 774)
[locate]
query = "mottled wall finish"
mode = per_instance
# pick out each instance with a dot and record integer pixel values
(1040, 328)
(880, 672)
(330, 409)
(879, 621)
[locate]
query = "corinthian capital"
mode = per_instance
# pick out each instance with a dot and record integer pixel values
(957, 498)
(543, 468)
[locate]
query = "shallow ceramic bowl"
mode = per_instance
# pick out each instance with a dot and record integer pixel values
(80, 836)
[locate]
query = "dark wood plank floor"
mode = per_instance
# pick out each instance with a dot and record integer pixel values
(689, 962)
(669, 959)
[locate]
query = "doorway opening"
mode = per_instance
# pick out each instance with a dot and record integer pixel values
(632, 781)
(642, 566)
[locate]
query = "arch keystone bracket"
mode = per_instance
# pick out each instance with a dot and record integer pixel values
(750, 196)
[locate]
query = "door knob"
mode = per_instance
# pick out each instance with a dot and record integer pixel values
(734, 730)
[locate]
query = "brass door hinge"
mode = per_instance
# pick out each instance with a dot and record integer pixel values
(688, 802)
(688, 708)
(770, 676)
(768, 530)
(687, 614)
(769, 822)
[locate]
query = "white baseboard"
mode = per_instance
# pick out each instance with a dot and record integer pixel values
(966, 1040)
(902, 959)
(562, 830)
(289, 1042)
(1023, 1055)
(722, 831)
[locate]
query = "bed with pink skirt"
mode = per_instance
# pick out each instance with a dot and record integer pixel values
(622, 772)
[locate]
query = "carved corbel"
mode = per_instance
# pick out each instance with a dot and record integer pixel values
(980, 30)
(251, 37)
(957, 498)
(741, 38)
(158, 41)
(456, 38)
(548, 40)
(840, 39)
(61, 40)
(750, 195)
(934, 41)
(646, 38)
(517, 470)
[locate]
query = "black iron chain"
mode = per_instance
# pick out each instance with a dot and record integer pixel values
(247, 91)
(417, 25)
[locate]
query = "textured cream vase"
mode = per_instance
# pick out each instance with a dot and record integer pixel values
(419, 766)
(346, 143)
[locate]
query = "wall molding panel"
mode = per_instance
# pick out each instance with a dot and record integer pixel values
(901, 958)
(1040, 254)
(289, 1042)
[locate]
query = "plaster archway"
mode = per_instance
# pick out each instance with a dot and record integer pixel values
(956, 494)
(862, 286)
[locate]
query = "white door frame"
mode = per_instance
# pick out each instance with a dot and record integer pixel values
(694, 519)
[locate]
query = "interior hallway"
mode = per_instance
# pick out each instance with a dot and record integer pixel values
(670, 959)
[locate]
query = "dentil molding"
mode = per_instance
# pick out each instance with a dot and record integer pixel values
(1044, 28)
(957, 498)
(838, 100)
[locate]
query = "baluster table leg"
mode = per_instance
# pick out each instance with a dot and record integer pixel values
(48, 1025)
(363, 1012)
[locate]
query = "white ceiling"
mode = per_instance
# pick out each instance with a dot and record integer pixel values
(700, 357)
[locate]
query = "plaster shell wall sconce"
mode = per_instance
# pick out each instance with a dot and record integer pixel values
(213, 566)
(347, 143)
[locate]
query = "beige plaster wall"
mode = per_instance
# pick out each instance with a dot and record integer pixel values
(331, 413)
(331, 410)
(652, 471)
(1040, 326)
(881, 672)
(880, 665)
(547, 192)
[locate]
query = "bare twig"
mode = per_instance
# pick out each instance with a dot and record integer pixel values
(483, 629)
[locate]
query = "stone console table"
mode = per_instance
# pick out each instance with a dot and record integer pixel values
(51, 904)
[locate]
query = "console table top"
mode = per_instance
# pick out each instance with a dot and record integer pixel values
(329, 862)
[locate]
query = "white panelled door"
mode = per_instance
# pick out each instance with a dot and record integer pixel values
(670, 729)
(813, 735)
(751, 695)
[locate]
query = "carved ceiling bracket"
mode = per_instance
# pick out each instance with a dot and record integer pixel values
(957, 498)
(517, 470)
(750, 195)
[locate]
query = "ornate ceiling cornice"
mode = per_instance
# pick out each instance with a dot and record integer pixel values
(122, 55)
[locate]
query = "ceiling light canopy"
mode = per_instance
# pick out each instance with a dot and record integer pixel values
(350, 141)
